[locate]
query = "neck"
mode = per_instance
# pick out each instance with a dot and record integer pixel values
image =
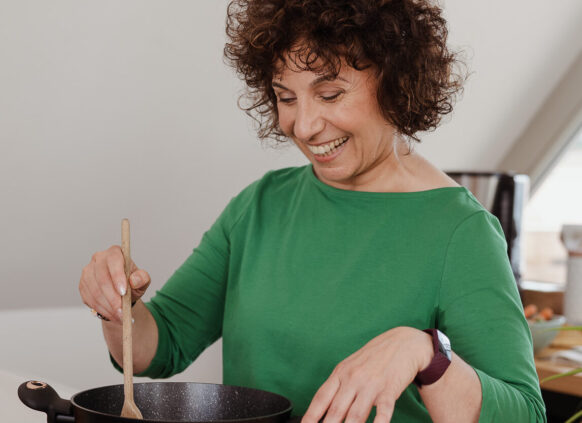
(391, 172)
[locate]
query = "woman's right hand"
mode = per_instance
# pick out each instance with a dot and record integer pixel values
(103, 283)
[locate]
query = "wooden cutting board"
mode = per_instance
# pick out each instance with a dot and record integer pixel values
(567, 339)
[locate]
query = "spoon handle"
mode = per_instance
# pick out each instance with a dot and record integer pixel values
(127, 323)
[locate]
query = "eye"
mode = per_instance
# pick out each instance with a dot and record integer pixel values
(331, 97)
(285, 99)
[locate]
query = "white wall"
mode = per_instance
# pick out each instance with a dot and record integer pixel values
(65, 345)
(114, 109)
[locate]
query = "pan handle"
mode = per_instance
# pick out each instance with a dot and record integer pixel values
(42, 397)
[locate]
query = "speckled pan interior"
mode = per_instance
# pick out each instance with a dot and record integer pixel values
(185, 402)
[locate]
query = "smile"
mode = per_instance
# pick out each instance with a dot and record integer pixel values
(327, 148)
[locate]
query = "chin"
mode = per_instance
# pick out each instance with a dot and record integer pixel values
(332, 175)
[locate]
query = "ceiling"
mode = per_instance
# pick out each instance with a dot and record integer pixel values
(517, 52)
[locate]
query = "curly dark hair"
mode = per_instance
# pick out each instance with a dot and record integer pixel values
(403, 40)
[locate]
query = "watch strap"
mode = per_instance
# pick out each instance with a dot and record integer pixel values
(438, 365)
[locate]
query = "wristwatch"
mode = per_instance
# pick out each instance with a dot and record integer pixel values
(440, 361)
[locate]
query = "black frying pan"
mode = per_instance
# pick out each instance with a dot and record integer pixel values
(160, 402)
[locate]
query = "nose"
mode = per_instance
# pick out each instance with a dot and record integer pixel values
(308, 121)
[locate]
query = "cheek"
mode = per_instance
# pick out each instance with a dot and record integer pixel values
(285, 120)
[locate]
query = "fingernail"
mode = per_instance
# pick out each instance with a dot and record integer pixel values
(120, 314)
(136, 281)
(122, 289)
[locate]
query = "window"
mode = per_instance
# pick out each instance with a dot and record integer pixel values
(556, 202)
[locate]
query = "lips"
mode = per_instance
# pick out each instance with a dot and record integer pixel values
(328, 148)
(333, 152)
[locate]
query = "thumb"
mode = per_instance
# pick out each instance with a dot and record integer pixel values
(139, 280)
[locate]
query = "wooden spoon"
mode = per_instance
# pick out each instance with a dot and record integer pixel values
(129, 408)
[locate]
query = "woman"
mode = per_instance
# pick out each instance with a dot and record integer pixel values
(322, 279)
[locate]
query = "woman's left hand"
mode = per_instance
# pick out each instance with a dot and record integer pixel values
(375, 375)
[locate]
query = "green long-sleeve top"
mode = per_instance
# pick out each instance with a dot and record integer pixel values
(296, 275)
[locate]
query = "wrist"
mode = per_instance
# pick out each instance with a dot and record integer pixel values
(441, 359)
(426, 351)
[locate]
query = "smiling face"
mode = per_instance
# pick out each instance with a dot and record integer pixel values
(337, 124)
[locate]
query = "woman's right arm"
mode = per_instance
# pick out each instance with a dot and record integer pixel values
(102, 284)
(144, 335)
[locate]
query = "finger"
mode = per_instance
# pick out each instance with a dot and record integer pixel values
(116, 267)
(114, 299)
(139, 279)
(321, 400)
(90, 291)
(103, 281)
(384, 409)
(82, 289)
(93, 301)
(85, 295)
(89, 300)
(132, 267)
(100, 302)
(340, 404)
(360, 408)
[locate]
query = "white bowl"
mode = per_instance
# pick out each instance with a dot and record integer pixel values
(543, 332)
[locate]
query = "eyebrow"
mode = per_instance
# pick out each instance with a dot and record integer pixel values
(316, 81)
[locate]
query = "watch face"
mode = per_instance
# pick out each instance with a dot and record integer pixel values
(444, 344)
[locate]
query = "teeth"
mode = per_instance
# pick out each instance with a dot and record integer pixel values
(327, 148)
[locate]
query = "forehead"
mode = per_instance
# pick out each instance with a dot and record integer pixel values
(302, 60)
(301, 76)
(283, 69)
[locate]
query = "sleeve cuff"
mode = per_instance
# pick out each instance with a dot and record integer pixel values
(157, 367)
(505, 404)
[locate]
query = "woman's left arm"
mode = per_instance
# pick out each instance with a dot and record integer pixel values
(378, 373)
(456, 396)
(492, 376)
